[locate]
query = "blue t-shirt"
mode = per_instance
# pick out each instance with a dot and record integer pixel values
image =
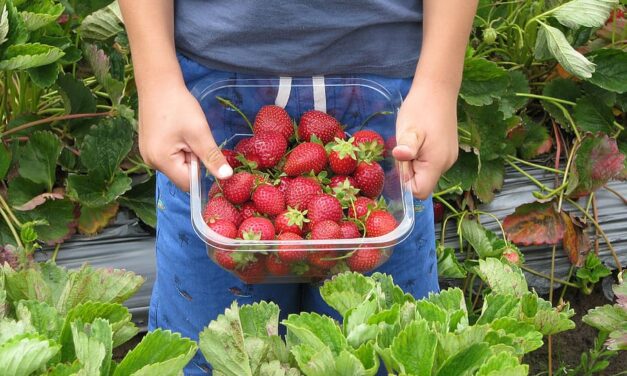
(298, 38)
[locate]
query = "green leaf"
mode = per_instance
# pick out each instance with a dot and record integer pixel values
(85, 7)
(4, 24)
(488, 133)
(521, 336)
(23, 355)
(63, 369)
(536, 140)
(475, 234)
(561, 89)
(38, 158)
(5, 160)
(572, 60)
(29, 55)
(483, 82)
(454, 343)
(93, 343)
(607, 318)
(106, 145)
(26, 284)
(496, 306)
(41, 316)
(490, 179)
(160, 353)
(389, 293)
(367, 355)
(314, 330)
(503, 278)
(503, 364)
(611, 70)
(510, 103)
(103, 24)
(463, 173)
(346, 291)
(45, 75)
(589, 13)
(222, 344)
(39, 13)
(101, 65)
(313, 361)
(356, 326)
(92, 220)
(448, 265)
(414, 349)
(141, 199)
(549, 320)
(59, 216)
(10, 329)
(17, 33)
(260, 319)
(465, 362)
(348, 364)
(76, 97)
(93, 191)
(592, 115)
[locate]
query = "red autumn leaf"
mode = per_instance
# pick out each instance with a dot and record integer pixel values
(41, 199)
(535, 223)
(597, 161)
(576, 242)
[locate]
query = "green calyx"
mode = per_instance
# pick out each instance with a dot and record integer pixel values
(243, 258)
(370, 151)
(345, 193)
(296, 217)
(345, 148)
(251, 235)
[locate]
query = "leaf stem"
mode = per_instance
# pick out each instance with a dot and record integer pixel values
(531, 164)
(539, 274)
(55, 253)
(55, 118)
(546, 98)
(9, 211)
(571, 156)
(534, 180)
(12, 228)
(616, 193)
(230, 104)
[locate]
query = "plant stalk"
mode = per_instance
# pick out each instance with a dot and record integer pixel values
(55, 118)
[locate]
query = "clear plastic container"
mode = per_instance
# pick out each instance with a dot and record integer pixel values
(358, 103)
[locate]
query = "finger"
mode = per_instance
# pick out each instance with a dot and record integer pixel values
(425, 179)
(201, 141)
(408, 146)
(176, 168)
(407, 170)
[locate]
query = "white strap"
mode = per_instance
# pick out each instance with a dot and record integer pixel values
(319, 94)
(285, 87)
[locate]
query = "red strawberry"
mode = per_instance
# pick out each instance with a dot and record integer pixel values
(343, 157)
(220, 208)
(322, 259)
(512, 256)
(304, 158)
(269, 200)
(317, 123)
(364, 260)
(273, 119)
(276, 266)
(230, 156)
(286, 253)
(291, 220)
(324, 207)
(248, 210)
(370, 144)
(224, 259)
(379, 223)
(300, 191)
(283, 183)
(256, 228)
(224, 227)
(214, 190)
(438, 211)
(244, 146)
(326, 229)
(349, 230)
(340, 134)
(359, 208)
(253, 272)
(369, 178)
(267, 149)
(390, 144)
(237, 188)
(338, 180)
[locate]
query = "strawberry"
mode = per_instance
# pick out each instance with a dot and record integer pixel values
(269, 200)
(370, 144)
(338, 181)
(390, 144)
(300, 191)
(224, 259)
(214, 190)
(340, 134)
(345, 191)
(438, 211)
(273, 119)
(231, 158)
(326, 229)
(379, 223)
(220, 208)
(349, 230)
(343, 157)
(322, 259)
(359, 209)
(306, 157)
(364, 260)
(224, 227)
(244, 146)
(248, 210)
(283, 183)
(256, 228)
(320, 124)
(276, 266)
(291, 220)
(324, 207)
(237, 188)
(267, 149)
(286, 253)
(369, 178)
(253, 272)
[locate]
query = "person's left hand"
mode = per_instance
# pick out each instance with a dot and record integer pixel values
(426, 135)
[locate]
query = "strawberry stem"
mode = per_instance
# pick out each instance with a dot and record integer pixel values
(380, 113)
(230, 104)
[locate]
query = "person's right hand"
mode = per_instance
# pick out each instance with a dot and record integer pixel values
(171, 126)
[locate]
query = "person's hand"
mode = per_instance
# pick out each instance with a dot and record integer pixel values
(426, 134)
(171, 126)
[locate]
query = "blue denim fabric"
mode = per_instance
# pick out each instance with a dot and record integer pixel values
(190, 290)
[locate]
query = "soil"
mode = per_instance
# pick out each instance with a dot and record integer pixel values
(568, 346)
(120, 352)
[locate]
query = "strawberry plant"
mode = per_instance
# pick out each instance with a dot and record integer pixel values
(382, 327)
(67, 120)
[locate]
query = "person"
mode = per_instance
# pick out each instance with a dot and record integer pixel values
(412, 46)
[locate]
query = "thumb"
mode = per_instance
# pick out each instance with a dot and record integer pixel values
(408, 145)
(201, 141)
